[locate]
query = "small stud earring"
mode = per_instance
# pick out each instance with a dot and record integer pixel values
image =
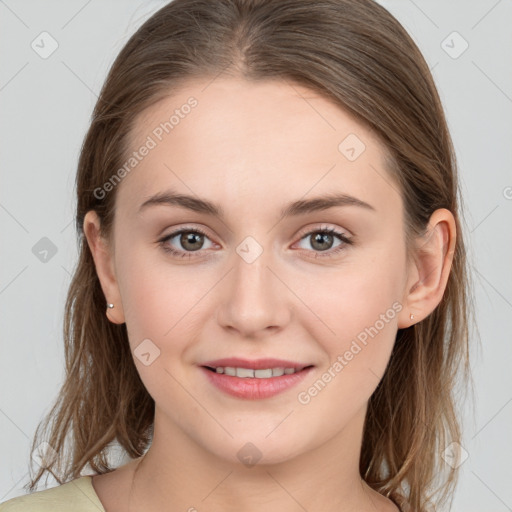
(412, 316)
(110, 306)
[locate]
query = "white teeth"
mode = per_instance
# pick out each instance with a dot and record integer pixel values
(243, 373)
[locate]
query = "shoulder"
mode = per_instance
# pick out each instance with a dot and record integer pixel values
(75, 496)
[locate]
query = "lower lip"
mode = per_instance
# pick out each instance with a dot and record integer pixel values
(252, 388)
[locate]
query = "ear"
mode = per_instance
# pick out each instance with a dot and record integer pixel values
(103, 257)
(430, 269)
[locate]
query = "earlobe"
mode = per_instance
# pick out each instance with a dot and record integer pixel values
(103, 260)
(433, 260)
(113, 316)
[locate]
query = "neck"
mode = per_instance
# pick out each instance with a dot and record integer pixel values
(179, 474)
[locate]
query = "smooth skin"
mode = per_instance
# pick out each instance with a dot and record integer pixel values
(253, 148)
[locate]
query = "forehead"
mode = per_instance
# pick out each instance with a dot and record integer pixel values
(231, 138)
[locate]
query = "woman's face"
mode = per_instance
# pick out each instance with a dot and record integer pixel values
(255, 283)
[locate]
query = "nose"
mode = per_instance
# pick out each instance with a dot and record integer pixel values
(254, 298)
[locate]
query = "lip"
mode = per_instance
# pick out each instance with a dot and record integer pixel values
(252, 388)
(258, 364)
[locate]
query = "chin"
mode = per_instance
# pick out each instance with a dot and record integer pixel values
(254, 448)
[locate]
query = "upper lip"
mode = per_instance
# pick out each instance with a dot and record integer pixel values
(257, 364)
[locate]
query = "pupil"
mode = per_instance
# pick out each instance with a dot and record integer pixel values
(321, 238)
(191, 238)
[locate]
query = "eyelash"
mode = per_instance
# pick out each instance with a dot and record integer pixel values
(189, 254)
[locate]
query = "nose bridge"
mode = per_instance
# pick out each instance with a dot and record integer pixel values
(252, 277)
(255, 298)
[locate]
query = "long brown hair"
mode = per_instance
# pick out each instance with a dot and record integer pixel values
(358, 55)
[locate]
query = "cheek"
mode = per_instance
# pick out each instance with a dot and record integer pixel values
(161, 299)
(357, 353)
(356, 309)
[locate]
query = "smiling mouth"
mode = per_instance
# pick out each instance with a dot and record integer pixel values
(248, 373)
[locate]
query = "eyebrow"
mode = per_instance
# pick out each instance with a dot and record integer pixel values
(300, 207)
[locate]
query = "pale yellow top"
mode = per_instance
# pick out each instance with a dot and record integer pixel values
(75, 496)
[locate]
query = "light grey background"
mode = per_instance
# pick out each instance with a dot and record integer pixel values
(45, 106)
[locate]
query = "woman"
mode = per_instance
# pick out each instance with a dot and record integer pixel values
(268, 206)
